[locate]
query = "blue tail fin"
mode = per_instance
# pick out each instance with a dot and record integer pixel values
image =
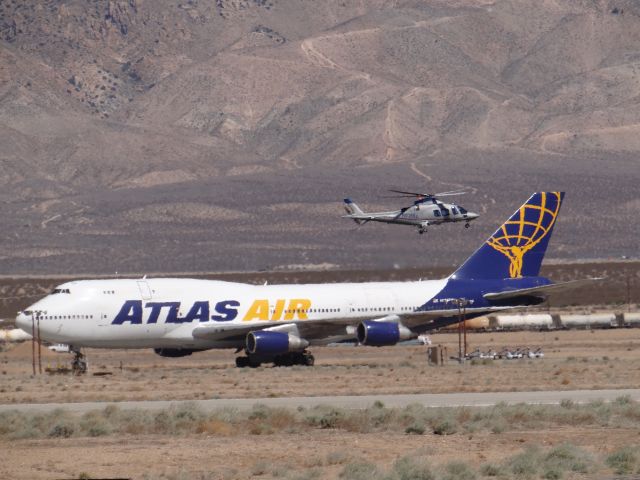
(517, 248)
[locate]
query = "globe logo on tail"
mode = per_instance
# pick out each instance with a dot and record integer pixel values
(525, 229)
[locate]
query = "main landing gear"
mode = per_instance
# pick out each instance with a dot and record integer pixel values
(284, 360)
(422, 230)
(79, 362)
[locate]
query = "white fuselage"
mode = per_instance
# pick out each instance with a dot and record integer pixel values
(163, 312)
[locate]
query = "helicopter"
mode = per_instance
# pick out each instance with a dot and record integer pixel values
(427, 209)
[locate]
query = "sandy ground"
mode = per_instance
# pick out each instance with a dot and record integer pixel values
(243, 456)
(573, 360)
(578, 359)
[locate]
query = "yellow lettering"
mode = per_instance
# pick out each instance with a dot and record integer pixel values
(259, 310)
(299, 306)
(277, 312)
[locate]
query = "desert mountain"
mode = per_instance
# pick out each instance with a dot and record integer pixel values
(157, 136)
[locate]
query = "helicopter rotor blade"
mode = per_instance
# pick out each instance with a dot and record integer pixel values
(399, 196)
(450, 194)
(412, 194)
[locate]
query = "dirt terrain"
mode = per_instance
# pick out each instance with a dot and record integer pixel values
(573, 360)
(599, 359)
(217, 135)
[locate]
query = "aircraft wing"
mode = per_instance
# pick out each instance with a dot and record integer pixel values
(544, 290)
(426, 320)
(329, 329)
(308, 329)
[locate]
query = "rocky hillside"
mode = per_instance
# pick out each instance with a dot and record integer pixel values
(142, 136)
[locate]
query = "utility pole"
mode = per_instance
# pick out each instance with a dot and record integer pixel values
(38, 314)
(35, 337)
(33, 343)
(462, 329)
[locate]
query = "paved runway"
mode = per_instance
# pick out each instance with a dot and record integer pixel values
(350, 402)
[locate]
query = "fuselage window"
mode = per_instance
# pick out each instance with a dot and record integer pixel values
(454, 210)
(436, 213)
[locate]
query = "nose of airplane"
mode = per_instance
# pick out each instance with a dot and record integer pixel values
(23, 321)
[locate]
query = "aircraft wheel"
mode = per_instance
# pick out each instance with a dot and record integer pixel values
(466, 225)
(285, 360)
(309, 360)
(79, 363)
(242, 362)
(254, 363)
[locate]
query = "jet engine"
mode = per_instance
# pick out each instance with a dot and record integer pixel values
(263, 342)
(381, 334)
(174, 352)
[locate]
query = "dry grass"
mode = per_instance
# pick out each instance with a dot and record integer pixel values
(189, 419)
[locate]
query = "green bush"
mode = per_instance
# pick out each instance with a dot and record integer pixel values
(415, 429)
(525, 464)
(491, 470)
(411, 468)
(623, 400)
(415, 414)
(566, 458)
(623, 461)
(567, 403)
(325, 417)
(162, 422)
(458, 471)
(308, 474)
(360, 471)
(95, 424)
(445, 426)
(62, 429)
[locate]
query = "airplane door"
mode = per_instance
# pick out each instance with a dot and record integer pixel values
(145, 291)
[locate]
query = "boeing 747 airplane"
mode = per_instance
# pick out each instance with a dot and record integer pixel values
(277, 323)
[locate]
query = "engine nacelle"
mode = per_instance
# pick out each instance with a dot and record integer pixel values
(263, 342)
(381, 334)
(174, 352)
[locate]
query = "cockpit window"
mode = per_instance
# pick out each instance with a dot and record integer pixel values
(462, 210)
(454, 210)
(60, 290)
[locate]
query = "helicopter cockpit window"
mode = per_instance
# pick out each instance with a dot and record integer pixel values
(60, 290)
(445, 212)
(454, 210)
(462, 210)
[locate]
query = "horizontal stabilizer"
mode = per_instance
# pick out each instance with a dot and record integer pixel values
(544, 290)
(355, 213)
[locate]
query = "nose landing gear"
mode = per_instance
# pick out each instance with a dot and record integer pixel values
(79, 363)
